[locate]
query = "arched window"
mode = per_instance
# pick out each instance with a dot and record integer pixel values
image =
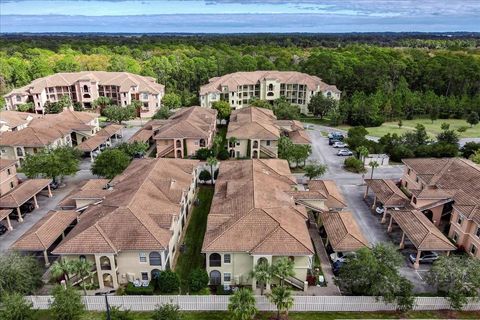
(329, 94)
(255, 144)
(215, 278)
(232, 153)
(105, 263)
(155, 259)
(107, 280)
(270, 87)
(270, 94)
(179, 143)
(155, 273)
(85, 88)
(255, 154)
(215, 260)
(262, 260)
(179, 153)
(19, 152)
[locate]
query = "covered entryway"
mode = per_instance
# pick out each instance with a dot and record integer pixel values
(215, 278)
(387, 193)
(4, 215)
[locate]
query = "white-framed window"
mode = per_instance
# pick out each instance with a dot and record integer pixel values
(196, 143)
(473, 249)
(19, 98)
(455, 237)
(268, 142)
(145, 96)
(144, 275)
(227, 277)
(227, 258)
(142, 257)
(459, 219)
(478, 232)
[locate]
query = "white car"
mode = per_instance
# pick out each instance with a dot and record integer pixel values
(380, 210)
(344, 152)
(339, 144)
(341, 256)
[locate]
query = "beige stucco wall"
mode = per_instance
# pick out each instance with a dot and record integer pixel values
(8, 179)
(465, 232)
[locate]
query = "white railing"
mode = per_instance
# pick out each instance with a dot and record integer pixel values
(220, 303)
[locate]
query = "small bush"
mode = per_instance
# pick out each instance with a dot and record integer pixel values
(15, 307)
(168, 281)
(67, 304)
(117, 314)
(462, 129)
(204, 153)
(205, 175)
(139, 291)
(354, 165)
(223, 154)
(167, 312)
(197, 280)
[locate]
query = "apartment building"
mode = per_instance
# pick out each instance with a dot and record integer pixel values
(184, 133)
(67, 128)
(15, 120)
(254, 133)
(254, 219)
(133, 233)
(447, 188)
(8, 176)
(86, 86)
(239, 87)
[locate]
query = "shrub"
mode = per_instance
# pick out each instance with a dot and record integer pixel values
(205, 175)
(223, 154)
(355, 165)
(167, 311)
(204, 153)
(19, 273)
(15, 307)
(139, 291)
(67, 304)
(168, 281)
(462, 129)
(197, 280)
(117, 314)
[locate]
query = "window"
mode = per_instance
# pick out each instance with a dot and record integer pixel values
(414, 200)
(408, 171)
(85, 88)
(270, 87)
(473, 249)
(144, 275)
(9, 172)
(155, 259)
(406, 184)
(459, 220)
(455, 237)
(19, 152)
(478, 232)
(268, 142)
(215, 260)
(227, 276)
(144, 96)
(19, 98)
(11, 185)
(142, 256)
(227, 258)
(82, 258)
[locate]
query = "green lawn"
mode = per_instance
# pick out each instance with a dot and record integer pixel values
(44, 315)
(192, 257)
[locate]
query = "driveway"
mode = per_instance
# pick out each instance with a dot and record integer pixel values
(353, 189)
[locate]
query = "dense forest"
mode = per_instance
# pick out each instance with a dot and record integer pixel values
(382, 76)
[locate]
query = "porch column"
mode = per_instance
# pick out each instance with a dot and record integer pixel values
(9, 224)
(366, 193)
(49, 191)
(416, 265)
(20, 219)
(91, 156)
(448, 253)
(45, 257)
(254, 280)
(35, 201)
(384, 218)
(374, 202)
(390, 224)
(402, 242)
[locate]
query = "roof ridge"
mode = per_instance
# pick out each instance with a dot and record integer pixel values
(39, 240)
(147, 227)
(267, 236)
(102, 233)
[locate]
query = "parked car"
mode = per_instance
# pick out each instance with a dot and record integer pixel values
(54, 185)
(3, 229)
(336, 266)
(336, 135)
(339, 144)
(331, 141)
(344, 152)
(25, 208)
(380, 209)
(425, 257)
(341, 256)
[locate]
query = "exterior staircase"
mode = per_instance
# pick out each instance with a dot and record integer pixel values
(269, 152)
(297, 283)
(165, 151)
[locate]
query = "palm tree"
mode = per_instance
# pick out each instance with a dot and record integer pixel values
(62, 267)
(212, 161)
(217, 142)
(282, 298)
(373, 165)
(262, 273)
(362, 152)
(83, 269)
(242, 305)
(314, 170)
(283, 268)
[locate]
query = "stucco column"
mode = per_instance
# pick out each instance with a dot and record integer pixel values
(402, 242)
(9, 224)
(384, 218)
(35, 201)
(49, 191)
(390, 224)
(99, 272)
(448, 253)
(416, 265)
(45, 257)
(366, 193)
(254, 281)
(20, 219)
(91, 156)
(374, 202)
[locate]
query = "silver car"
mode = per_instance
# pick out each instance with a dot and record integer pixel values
(344, 153)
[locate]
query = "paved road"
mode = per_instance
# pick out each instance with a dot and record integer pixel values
(353, 188)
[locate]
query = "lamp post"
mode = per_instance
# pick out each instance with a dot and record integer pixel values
(107, 306)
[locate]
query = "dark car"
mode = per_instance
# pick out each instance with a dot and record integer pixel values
(425, 257)
(332, 141)
(3, 229)
(336, 266)
(54, 185)
(25, 208)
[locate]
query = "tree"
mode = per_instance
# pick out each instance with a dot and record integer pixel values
(168, 281)
(373, 165)
(67, 304)
(19, 273)
(448, 136)
(62, 268)
(473, 118)
(205, 175)
(300, 153)
(356, 137)
(15, 307)
(162, 113)
(204, 153)
(110, 163)
(197, 280)
(52, 163)
(475, 157)
(25, 107)
(133, 149)
(400, 124)
(469, 149)
(374, 272)
(458, 277)
(255, 102)
(102, 102)
(314, 170)
(83, 269)
(119, 114)
(362, 153)
(59, 106)
(212, 162)
(262, 273)
(320, 105)
(282, 298)
(242, 305)
(284, 110)
(172, 100)
(433, 113)
(285, 146)
(283, 268)
(167, 311)
(223, 108)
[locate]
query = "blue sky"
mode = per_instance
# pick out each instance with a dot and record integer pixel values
(157, 16)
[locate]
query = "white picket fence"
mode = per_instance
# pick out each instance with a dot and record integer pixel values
(220, 303)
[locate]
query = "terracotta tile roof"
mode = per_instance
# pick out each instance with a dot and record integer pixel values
(14, 119)
(4, 164)
(253, 123)
(23, 192)
(193, 122)
(330, 190)
(4, 213)
(110, 130)
(295, 131)
(142, 135)
(43, 234)
(66, 121)
(387, 192)
(252, 211)
(100, 138)
(92, 189)
(135, 215)
(422, 232)
(233, 80)
(299, 137)
(31, 137)
(124, 80)
(343, 232)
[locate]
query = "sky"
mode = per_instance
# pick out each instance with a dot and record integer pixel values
(237, 16)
